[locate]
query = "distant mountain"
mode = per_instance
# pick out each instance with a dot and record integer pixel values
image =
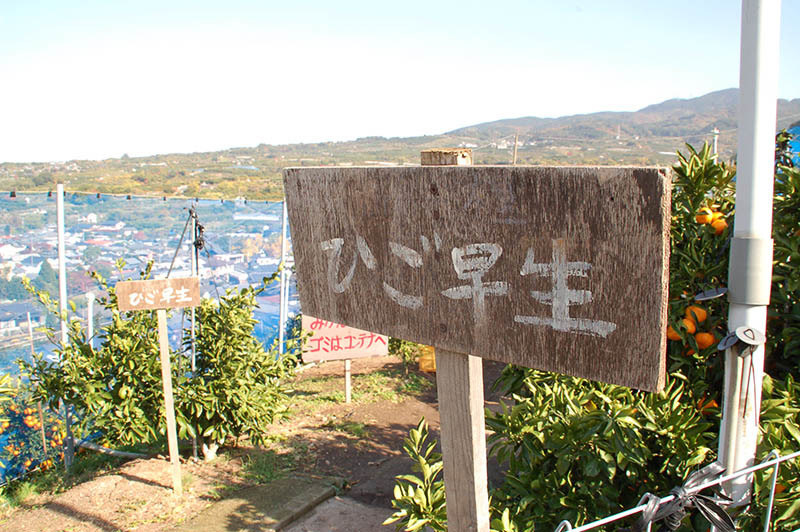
(685, 118)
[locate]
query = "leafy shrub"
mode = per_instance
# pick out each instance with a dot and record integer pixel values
(116, 389)
(406, 351)
(420, 500)
(237, 388)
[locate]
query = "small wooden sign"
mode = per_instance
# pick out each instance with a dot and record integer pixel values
(334, 341)
(158, 293)
(559, 269)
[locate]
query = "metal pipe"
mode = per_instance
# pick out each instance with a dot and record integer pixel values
(750, 271)
(284, 281)
(69, 445)
(195, 272)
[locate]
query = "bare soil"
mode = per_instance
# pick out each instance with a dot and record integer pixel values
(361, 443)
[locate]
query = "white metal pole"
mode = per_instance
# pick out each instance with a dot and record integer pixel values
(62, 267)
(751, 248)
(286, 301)
(69, 450)
(195, 271)
(284, 281)
(90, 318)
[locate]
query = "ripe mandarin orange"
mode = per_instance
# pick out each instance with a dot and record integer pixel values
(703, 216)
(690, 325)
(719, 226)
(696, 313)
(704, 339)
(672, 334)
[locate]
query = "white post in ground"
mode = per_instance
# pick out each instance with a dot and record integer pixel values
(195, 272)
(750, 271)
(90, 318)
(284, 282)
(69, 449)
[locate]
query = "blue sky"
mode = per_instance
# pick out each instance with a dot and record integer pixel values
(95, 79)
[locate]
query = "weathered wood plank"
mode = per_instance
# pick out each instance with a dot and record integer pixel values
(560, 269)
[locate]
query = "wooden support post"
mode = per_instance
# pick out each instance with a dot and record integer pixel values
(459, 381)
(446, 157)
(348, 389)
(169, 403)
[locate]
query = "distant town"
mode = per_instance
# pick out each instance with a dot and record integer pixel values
(241, 246)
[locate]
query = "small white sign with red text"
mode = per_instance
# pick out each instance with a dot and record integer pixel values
(334, 341)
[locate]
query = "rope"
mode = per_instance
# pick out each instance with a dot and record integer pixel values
(180, 243)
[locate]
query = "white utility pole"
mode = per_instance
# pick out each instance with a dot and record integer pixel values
(750, 272)
(195, 272)
(69, 451)
(284, 281)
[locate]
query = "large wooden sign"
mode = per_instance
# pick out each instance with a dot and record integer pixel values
(334, 341)
(559, 269)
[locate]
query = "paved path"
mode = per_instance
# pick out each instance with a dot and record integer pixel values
(295, 504)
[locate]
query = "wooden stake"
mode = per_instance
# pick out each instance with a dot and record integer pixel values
(459, 382)
(348, 389)
(169, 403)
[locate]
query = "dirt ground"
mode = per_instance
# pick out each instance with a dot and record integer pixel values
(361, 443)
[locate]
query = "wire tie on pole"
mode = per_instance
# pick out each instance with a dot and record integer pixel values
(673, 512)
(645, 521)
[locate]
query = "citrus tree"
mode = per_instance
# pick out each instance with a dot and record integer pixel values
(238, 387)
(116, 389)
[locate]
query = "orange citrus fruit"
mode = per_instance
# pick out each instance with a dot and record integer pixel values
(716, 216)
(719, 226)
(672, 334)
(696, 313)
(703, 216)
(704, 406)
(690, 325)
(704, 339)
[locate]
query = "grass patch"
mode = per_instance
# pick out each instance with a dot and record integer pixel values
(359, 430)
(262, 467)
(313, 394)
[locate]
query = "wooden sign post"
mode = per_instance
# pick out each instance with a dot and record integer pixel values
(334, 341)
(159, 295)
(459, 385)
(558, 269)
